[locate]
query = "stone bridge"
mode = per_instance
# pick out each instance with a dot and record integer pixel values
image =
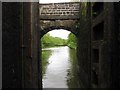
(59, 16)
(59, 11)
(98, 47)
(48, 25)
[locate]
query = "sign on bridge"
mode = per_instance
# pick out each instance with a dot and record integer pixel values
(58, 11)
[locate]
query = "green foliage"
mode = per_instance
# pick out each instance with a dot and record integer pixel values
(72, 41)
(45, 56)
(49, 41)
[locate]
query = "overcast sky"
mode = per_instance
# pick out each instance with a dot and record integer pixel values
(60, 33)
(53, 1)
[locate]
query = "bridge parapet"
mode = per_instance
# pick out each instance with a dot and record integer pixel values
(59, 11)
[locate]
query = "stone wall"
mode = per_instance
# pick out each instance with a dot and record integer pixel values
(59, 11)
(30, 42)
(119, 40)
(11, 46)
(36, 64)
(117, 19)
(104, 46)
(48, 25)
(98, 45)
(84, 42)
(20, 40)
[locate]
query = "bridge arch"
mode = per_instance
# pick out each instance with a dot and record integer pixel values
(66, 20)
(46, 30)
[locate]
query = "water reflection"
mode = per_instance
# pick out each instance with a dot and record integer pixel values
(72, 76)
(61, 69)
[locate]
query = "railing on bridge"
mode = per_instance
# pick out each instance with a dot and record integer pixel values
(59, 11)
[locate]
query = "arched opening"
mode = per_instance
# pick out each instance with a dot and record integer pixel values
(59, 61)
(50, 24)
(46, 30)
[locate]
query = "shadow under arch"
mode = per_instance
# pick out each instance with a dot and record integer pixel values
(46, 30)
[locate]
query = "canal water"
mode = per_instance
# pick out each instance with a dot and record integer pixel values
(59, 65)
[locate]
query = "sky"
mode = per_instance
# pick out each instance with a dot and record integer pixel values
(53, 1)
(60, 33)
(56, 1)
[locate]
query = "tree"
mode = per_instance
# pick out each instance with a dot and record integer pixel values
(48, 40)
(72, 41)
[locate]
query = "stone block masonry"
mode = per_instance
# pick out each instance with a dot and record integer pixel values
(59, 9)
